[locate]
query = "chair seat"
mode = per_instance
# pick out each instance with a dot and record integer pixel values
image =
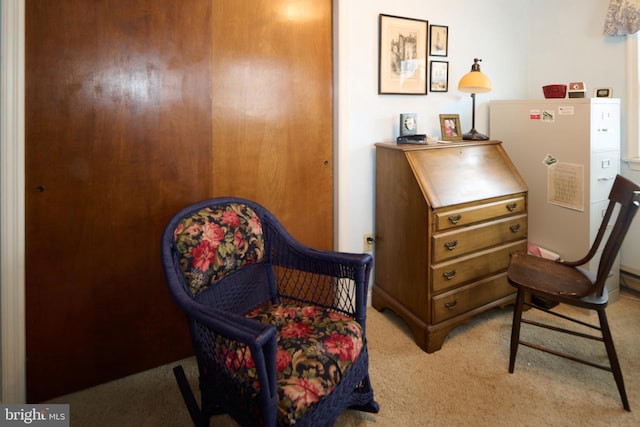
(548, 277)
(316, 347)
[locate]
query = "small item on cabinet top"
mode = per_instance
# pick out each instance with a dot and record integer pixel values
(554, 91)
(409, 130)
(412, 139)
(408, 124)
(576, 90)
(603, 92)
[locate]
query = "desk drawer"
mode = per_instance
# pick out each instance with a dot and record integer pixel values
(459, 217)
(463, 241)
(461, 270)
(464, 299)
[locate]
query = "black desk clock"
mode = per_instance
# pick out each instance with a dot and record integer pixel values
(408, 124)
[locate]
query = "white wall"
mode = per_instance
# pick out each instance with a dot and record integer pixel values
(493, 30)
(524, 45)
(564, 50)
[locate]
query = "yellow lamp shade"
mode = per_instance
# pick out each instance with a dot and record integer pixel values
(475, 81)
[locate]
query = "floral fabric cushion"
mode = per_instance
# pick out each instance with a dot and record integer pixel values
(316, 347)
(216, 241)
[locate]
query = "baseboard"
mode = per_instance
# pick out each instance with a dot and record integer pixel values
(630, 278)
(629, 270)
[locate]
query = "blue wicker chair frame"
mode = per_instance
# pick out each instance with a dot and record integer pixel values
(290, 272)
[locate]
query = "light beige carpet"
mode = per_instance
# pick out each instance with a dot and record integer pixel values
(466, 383)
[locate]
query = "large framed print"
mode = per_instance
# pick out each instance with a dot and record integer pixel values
(402, 59)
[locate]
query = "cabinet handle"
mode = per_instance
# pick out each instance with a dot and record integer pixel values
(512, 207)
(454, 219)
(515, 228)
(451, 245)
(451, 305)
(449, 275)
(606, 178)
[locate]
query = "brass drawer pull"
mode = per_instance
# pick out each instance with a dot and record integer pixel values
(451, 245)
(515, 228)
(451, 305)
(454, 219)
(449, 275)
(512, 207)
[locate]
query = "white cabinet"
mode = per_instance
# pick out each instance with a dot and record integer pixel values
(581, 136)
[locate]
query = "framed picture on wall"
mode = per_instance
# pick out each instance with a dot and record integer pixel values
(450, 127)
(439, 40)
(402, 59)
(439, 74)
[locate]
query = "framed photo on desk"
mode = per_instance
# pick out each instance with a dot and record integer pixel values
(450, 127)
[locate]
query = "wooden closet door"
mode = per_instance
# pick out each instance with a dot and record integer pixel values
(272, 110)
(118, 138)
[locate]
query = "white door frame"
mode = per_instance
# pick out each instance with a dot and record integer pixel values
(12, 206)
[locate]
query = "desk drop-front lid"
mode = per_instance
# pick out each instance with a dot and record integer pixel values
(463, 172)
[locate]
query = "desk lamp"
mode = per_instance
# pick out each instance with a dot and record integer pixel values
(474, 82)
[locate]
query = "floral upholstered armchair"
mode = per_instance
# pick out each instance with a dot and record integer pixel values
(278, 329)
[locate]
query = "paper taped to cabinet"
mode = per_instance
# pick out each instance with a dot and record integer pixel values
(565, 185)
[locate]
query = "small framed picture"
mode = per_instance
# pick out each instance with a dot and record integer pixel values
(402, 60)
(439, 40)
(439, 73)
(450, 127)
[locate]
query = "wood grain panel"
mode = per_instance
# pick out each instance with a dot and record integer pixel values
(118, 130)
(413, 235)
(272, 110)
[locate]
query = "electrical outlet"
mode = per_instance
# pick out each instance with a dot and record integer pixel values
(367, 242)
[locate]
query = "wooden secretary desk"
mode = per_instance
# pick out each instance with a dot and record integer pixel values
(448, 217)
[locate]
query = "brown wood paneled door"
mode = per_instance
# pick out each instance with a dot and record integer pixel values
(272, 110)
(118, 138)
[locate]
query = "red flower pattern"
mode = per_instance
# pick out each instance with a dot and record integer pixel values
(304, 391)
(283, 358)
(218, 240)
(255, 225)
(340, 345)
(238, 240)
(231, 219)
(303, 366)
(296, 329)
(213, 233)
(203, 255)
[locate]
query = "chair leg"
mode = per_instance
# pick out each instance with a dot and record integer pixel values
(515, 329)
(197, 416)
(371, 406)
(613, 357)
